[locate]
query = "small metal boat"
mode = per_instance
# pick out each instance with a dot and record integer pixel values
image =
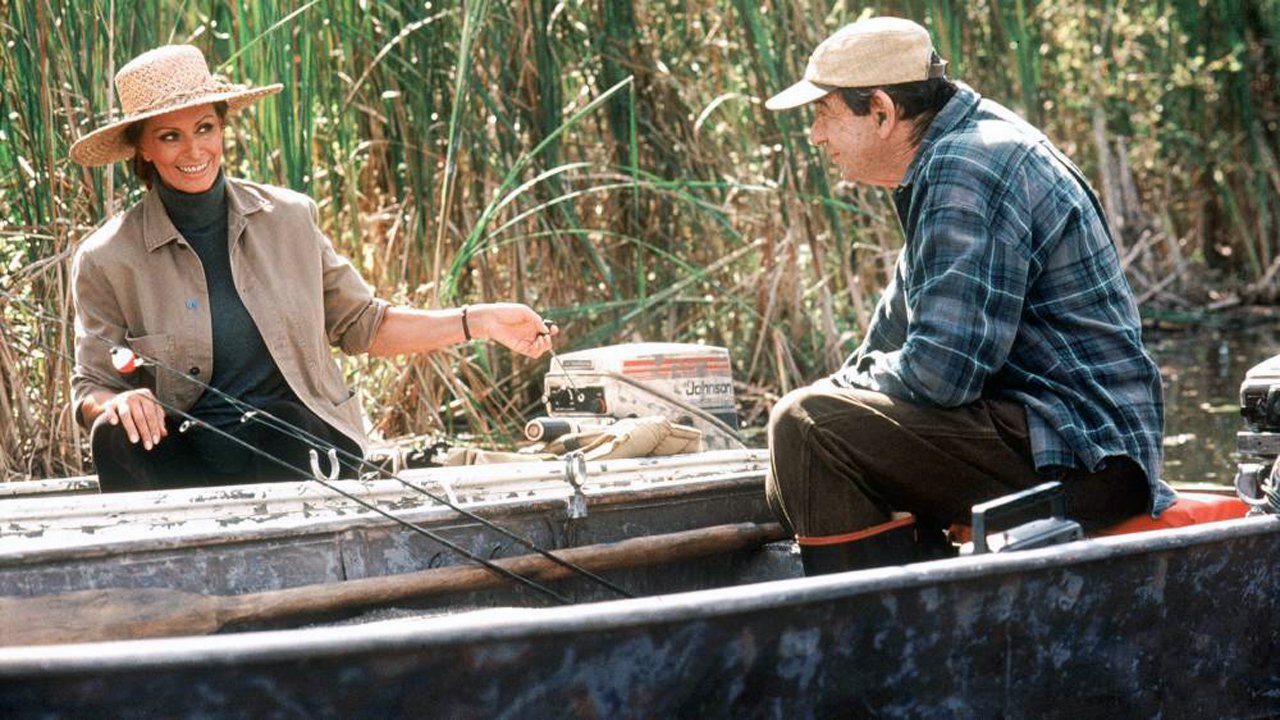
(1173, 623)
(1166, 623)
(1177, 622)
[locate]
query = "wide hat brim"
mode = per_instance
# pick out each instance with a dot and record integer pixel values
(107, 144)
(801, 93)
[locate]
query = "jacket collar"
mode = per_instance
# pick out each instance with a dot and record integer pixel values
(952, 114)
(158, 230)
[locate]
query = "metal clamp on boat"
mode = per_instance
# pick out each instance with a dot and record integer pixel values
(1053, 530)
(575, 473)
(1256, 486)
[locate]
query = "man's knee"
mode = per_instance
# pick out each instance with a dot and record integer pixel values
(796, 409)
(797, 444)
(819, 404)
(787, 415)
(815, 485)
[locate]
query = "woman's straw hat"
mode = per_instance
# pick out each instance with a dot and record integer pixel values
(156, 82)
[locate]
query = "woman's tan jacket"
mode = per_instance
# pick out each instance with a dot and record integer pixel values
(136, 282)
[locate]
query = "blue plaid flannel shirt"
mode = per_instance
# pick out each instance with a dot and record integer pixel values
(1010, 286)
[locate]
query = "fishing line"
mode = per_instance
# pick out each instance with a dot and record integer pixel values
(196, 422)
(573, 386)
(677, 402)
(250, 412)
(268, 419)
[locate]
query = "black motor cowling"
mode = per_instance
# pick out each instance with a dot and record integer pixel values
(1258, 474)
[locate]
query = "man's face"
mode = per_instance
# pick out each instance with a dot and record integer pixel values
(850, 141)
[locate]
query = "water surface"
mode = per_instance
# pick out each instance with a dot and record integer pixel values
(1202, 368)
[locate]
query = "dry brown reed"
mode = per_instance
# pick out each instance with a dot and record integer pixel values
(611, 164)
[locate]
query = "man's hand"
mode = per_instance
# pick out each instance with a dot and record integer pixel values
(514, 325)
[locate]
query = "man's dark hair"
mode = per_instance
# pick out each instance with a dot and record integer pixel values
(144, 170)
(918, 101)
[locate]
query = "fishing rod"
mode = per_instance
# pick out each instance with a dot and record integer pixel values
(557, 360)
(192, 421)
(250, 412)
(129, 360)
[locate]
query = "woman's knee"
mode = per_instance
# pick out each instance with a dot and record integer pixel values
(106, 438)
(124, 465)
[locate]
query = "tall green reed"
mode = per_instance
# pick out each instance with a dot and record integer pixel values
(611, 164)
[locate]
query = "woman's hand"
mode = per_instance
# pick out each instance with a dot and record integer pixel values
(513, 325)
(138, 411)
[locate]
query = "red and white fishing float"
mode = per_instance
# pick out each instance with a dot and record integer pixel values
(125, 360)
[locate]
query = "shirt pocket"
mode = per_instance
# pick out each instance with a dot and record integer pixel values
(157, 375)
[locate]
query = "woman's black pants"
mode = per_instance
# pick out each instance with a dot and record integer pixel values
(201, 457)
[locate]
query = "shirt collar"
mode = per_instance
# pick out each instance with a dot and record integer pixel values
(159, 230)
(193, 212)
(243, 199)
(952, 114)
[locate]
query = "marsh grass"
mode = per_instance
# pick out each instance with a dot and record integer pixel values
(611, 164)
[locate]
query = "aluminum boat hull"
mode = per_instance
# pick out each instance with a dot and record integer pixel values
(1173, 623)
(1168, 623)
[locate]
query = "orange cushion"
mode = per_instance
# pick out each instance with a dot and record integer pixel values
(1190, 508)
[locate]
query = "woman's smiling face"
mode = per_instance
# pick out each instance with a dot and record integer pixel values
(185, 146)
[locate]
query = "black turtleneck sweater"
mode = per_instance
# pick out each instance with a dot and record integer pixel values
(242, 366)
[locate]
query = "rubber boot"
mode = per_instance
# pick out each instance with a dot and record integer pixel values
(932, 542)
(891, 543)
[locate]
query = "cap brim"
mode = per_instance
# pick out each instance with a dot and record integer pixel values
(802, 93)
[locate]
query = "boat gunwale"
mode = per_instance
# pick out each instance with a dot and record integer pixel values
(19, 506)
(66, 508)
(295, 525)
(496, 625)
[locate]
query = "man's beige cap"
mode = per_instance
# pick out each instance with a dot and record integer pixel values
(868, 53)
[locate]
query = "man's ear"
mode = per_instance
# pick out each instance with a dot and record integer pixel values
(884, 112)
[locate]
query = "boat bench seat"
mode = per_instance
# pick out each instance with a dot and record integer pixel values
(1191, 508)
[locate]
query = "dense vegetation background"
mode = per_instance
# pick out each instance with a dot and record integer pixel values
(610, 162)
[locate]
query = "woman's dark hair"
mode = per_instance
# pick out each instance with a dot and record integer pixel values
(918, 101)
(142, 169)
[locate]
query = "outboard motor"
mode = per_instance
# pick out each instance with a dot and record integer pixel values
(1258, 473)
(688, 384)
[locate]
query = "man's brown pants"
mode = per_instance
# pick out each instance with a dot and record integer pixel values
(843, 459)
